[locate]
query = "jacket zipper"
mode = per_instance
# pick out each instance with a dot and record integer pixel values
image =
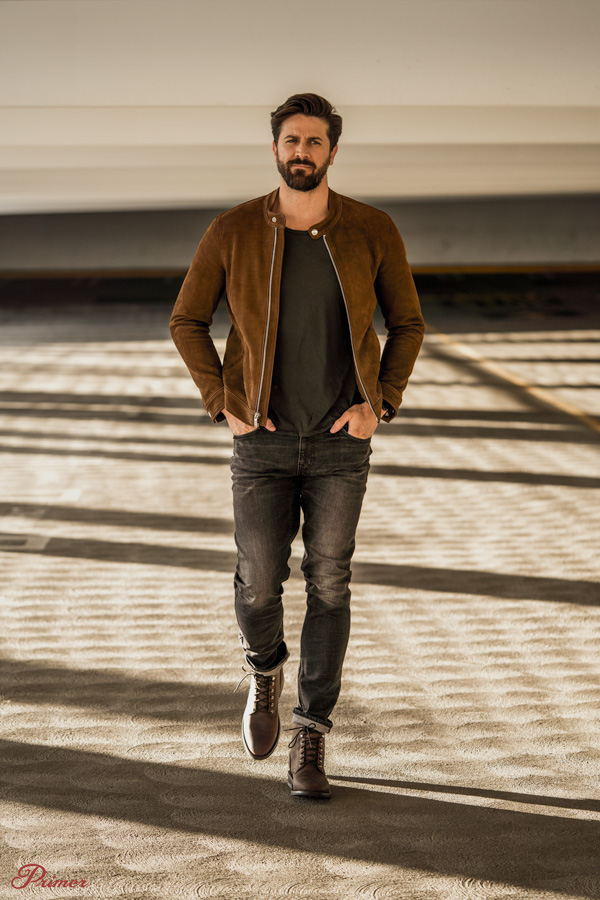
(349, 327)
(264, 359)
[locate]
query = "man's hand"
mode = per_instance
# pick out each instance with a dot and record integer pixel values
(361, 420)
(238, 427)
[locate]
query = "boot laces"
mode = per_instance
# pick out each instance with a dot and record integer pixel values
(264, 690)
(312, 744)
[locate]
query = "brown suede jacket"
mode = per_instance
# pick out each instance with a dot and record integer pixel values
(241, 254)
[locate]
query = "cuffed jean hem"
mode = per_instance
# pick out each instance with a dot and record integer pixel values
(318, 726)
(257, 670)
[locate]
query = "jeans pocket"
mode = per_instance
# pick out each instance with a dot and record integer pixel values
(344, 430)
(239, 437)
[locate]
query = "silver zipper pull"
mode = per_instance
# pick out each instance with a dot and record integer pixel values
(256, 418)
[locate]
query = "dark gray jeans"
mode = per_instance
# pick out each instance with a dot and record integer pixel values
(274, 477)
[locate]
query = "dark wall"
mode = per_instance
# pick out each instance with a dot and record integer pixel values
(496, 232)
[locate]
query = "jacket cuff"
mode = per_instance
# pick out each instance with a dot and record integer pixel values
(215, 405)
(387, 411)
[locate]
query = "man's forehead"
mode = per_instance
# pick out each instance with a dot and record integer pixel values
(305, 125)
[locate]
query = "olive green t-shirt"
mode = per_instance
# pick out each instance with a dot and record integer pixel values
(313, 374)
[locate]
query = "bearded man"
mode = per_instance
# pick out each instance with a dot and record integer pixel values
(303, 385)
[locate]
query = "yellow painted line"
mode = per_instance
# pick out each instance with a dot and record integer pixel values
(501, 372)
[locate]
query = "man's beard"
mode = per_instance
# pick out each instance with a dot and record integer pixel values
(301, 180)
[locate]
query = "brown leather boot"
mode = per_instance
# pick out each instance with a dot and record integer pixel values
(306, 774)
(260, 723)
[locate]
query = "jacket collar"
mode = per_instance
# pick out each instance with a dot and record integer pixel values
(277, 220)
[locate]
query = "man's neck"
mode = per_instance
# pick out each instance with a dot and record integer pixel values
(303, 208)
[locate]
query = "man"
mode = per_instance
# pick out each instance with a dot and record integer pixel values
(303, 386)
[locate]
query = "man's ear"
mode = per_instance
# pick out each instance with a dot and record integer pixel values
(274, 149)
(332, 155)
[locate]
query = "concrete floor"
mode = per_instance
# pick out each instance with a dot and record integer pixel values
(465, 756)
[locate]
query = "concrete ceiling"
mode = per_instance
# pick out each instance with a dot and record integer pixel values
(136, 104)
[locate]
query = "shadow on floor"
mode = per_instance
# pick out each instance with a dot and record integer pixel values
(403, 577)
(523, 848)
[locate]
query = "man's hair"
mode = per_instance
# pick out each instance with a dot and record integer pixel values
(308, 105)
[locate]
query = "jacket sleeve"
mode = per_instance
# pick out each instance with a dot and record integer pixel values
(192, 317)
(397, 297)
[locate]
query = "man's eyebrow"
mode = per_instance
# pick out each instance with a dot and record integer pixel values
(314, 137)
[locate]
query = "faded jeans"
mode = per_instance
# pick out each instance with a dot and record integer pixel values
(274, 476)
